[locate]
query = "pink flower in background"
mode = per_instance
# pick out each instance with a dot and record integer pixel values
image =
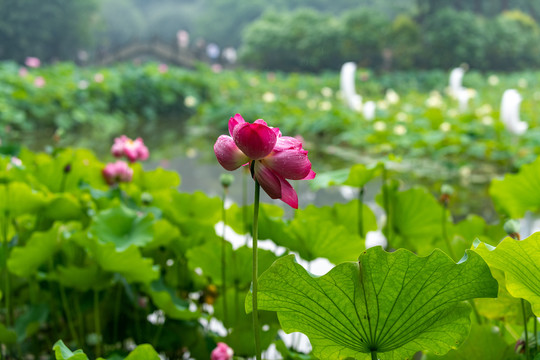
(222, 352)
(39, 82)
(163, 68)
(99, 77)
(132, 149)
(116, 172)
(23, 71)
(32, 62)
(273, 157)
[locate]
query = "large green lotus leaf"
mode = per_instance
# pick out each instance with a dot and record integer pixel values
(475, 227)
(123, 227)
(63, 207)
(81, 278)
(239, 262)
(30, 321)
(143, 352)
(345, 215)
(416, 220)
(156, 179)
(360, 174)
(165, 299)
(197, 206)
(393, 303)
(313, 237)
(7, 336)
(482, 343)
(49, 171)
(520, 261)
(62, 352)
(517, 193)
(271, 224)
(504, 307)
(129, 262)
(17, 198)
(357, 176)
(24, 261)
(164, 234)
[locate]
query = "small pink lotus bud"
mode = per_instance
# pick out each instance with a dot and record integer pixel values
(222, 352)
(32, 62)
(117, 172)
(39, 82)
(132, 149)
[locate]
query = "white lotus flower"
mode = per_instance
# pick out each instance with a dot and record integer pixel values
(510, 103)
(368, 110)
(347, 86)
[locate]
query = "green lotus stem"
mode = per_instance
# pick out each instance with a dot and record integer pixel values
(525, 318)
(69, 318)
(224, 260)
(536, 334)
(386, 203)
(374, 355)
(97, 323)
(476, 313)
(79, 316)
(256, 328)
(244, 204)
(361, 212)
(5, 247)
(117, 301)
(445, 233)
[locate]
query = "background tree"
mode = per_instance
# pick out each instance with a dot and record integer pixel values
(50, 30)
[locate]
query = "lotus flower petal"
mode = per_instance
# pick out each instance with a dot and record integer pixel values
(228, 154)
(268, 180)
(234, 121)
(255, 140)
(291, 164)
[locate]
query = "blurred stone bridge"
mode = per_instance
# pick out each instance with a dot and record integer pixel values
(152, 49)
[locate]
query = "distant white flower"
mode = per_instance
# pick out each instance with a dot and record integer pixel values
(445, 127)
(522, 83)
(99, 77)
(190, 101)
(510, 103)
(391, 96)
(434, 100)
(465, 171)
(368, 110)
(483, 110)
(379, 126)
(455, 81)
(326, 91)
(487, 120)
(401, 116)
(301, 94)
(493, 80)
(325, 106)
(156, 318)
(83, 84)
(269, 97)
(347, 86)
(400, 130)
(375, 238)
(311, 104)
(381, 104)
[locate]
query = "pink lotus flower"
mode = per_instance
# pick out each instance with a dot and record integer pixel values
(132, 149)
(39, 82)
(163, 68)
(273, 157)
(32, 62)
(116, 172)
(23, 71)
(222, 352)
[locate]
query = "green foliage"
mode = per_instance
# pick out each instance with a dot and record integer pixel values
(513, 41)
(453, 37)
(49, 30)
(519, 262)
(303, 40)
(390, 303)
